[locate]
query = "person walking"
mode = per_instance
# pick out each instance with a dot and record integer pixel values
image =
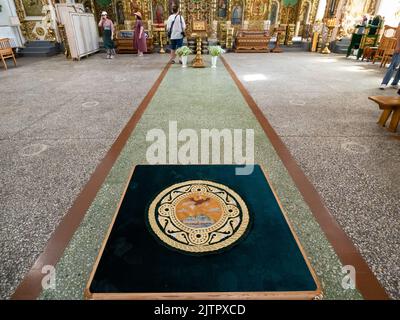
(395, 64)
(139, 35)
(176, 31)
(108, 34)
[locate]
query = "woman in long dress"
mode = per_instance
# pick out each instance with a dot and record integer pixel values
(108, 34)
(139, 37)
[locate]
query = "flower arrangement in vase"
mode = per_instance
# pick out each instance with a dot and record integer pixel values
(215, 52)
(183, 52)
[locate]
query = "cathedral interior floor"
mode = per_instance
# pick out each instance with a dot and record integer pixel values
(55, 134)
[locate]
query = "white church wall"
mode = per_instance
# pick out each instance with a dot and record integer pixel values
(390, 9)
(9, 23)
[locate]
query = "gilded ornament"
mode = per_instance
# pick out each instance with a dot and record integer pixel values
(40, 31)
(198, 216)
(258, 9)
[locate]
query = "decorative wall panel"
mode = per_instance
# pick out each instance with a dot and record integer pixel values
(80, 29)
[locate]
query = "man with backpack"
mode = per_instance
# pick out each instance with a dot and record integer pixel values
(176, 31)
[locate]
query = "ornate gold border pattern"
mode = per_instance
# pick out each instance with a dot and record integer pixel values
(162, 209)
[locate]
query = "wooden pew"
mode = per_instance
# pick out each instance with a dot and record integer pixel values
(6, 51)
(389, 105)
(387, 42)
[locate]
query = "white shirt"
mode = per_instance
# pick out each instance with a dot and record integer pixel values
(178, 27)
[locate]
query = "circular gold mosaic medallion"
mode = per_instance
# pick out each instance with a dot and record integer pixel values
(40, 31)
(198, 216)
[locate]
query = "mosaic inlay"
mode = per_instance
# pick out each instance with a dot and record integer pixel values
(198, 216)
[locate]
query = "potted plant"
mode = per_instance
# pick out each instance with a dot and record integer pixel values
(215, 51)
(183, 53)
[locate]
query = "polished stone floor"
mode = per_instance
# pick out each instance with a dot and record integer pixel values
(56, 132)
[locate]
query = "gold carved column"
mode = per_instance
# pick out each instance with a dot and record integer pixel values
(330, 24)
(371, 6)
(288, 19)
(21, 16)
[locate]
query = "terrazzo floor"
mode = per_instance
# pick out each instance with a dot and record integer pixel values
(212, 100)
(319, 107)
(56, 133)
(58, 118)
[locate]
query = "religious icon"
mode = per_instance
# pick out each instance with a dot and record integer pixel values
(274, 13)
(222, 8)
(33, 8)
(306, 13)
(120, 12)
(199, 25)
(332, 8)
(198, 211)
(198, 216)
(158, 12)
(258, 9)
(237, 15)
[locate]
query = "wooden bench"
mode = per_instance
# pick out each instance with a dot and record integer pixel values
(6, 51)
(389, 105)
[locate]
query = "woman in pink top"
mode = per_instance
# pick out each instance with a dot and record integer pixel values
(139, 36)
(108, 34)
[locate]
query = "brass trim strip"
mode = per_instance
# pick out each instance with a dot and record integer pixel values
(348, 254)
(30, 287)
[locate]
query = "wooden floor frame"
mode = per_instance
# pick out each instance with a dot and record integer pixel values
(256, 295)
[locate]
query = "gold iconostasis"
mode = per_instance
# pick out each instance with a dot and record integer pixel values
(235, 13)
(297, 16)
